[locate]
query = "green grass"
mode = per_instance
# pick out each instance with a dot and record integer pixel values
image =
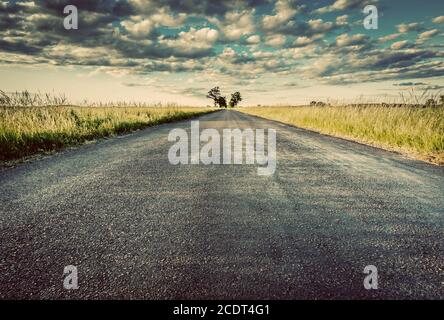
(25, 131)
(418, 132)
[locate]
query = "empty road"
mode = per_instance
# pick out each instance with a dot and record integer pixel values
(138, 227)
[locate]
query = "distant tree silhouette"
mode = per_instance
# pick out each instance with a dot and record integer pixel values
(430, 103)
(214, 94)
(235, 99)
(317, 104)
(222, 101)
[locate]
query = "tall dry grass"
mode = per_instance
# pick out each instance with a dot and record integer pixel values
(26, 98)
(414, 131)
(28, 130)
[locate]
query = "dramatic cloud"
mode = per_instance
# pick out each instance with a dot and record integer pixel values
(233, 41)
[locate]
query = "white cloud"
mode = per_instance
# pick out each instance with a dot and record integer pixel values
(193, 40)
(142, 26)
(339, 5)
(439, 19)
(78, 53)
(319, 26)
(303, 40)
(283, 13)
(389, 37)
(428, 34)
(164, 18)
(228, 53)
(255, 39)
(404, 28)
(137, 27)
(30, 4)
(236, 24)
(263, 55)
(275, 40)
(344, 40)
(342, 20)
(143, 6)
(399, 45)
(319, 66)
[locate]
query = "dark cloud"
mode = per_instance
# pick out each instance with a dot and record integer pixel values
(157, 66)
(209, 7)
(131, 34)
(410, 84)
(19, 47)
(309, 28)
(390, 59)
(115, 8)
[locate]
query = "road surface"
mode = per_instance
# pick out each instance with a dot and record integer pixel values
(138, 227)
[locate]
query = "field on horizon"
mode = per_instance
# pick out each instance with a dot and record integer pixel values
(417, 132)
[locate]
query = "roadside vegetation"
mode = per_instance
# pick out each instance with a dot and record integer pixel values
(417, 130)
(32, 128)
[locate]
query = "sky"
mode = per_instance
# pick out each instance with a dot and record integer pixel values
(275, 52)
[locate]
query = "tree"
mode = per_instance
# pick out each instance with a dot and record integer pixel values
(235, 99)
(430, 103)
(222, 102)
(215, 95)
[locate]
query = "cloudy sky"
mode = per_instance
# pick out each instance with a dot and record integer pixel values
(274, 52)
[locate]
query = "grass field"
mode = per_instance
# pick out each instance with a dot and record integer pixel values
(25, 131)
(417, 132)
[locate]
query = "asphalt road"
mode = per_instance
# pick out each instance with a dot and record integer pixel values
(138, 227)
